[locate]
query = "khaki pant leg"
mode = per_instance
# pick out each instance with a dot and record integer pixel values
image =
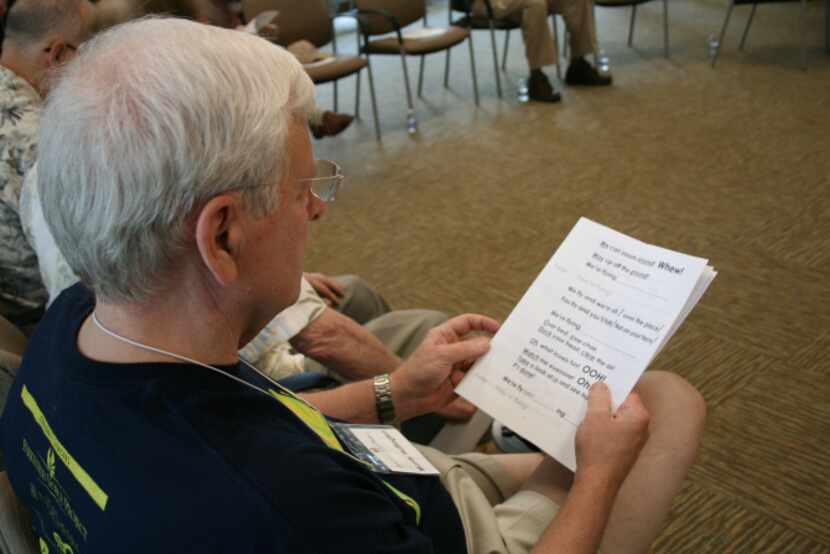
(360, 302)
(540, 48)
(403, 330)
(496, 519)
(579, 20)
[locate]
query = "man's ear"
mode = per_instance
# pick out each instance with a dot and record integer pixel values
(219, 236)
(57, 53)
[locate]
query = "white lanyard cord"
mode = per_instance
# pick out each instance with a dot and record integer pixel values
(143, 346)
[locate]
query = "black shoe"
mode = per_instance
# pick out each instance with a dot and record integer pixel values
(540, 89)
(509, 442)
(582, 73)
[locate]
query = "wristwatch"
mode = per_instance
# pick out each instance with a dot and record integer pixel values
(383, 398)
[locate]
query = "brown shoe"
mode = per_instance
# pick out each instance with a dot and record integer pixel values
(540, 89)
(332, 124)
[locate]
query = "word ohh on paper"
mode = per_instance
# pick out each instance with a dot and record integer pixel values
(600, 310)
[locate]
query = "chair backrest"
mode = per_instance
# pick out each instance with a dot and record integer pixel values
(12, 339)
(460, 5)
(16, 536)
(404, 11)
(297, 20)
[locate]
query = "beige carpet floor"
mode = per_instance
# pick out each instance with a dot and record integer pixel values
(731, 164)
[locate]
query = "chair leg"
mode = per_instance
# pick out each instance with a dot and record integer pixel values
(409, 101)
(666, 27)
(723, 32)
(421, 78)
(357, 97)
(495, 58)
(374, 100)
(447, 69)
(473, 65)
(631, 25)
(556, 42)
(335, 96)
(566, 49)
(504, 53)
(802, 22)
(748, 25)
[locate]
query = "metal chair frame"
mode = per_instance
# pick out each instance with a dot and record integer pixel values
(399, 34)
(802, 24)
(634, 18)
(359, 73)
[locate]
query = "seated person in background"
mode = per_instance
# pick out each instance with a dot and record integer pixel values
(132, 401)
(39, 35)
(323, 123)
(541, 49)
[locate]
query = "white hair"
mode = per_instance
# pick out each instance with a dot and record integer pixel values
(151, 120)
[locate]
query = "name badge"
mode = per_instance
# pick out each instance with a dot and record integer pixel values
(383, 448)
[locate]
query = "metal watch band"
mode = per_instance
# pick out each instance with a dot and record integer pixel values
(383, 398)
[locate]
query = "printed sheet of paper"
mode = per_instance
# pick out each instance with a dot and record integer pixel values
(600, 310)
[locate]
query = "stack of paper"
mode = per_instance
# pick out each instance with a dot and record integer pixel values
(601, 310)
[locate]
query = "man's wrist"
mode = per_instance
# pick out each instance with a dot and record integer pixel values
(407, 403)
(384, 403)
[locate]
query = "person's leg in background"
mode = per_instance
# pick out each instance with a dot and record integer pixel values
(581, 25)
(360, 302)
(540, 48)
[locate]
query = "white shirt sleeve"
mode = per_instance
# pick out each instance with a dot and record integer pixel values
(54, 271)
(286, 325)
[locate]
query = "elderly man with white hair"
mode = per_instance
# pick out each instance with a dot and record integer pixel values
(133, 426)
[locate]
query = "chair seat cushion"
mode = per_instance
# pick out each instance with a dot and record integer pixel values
(332, 69)
(420, 41)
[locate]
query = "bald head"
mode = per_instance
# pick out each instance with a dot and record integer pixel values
(41, 34)
(31, 22)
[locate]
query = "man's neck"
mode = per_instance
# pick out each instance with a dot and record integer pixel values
(12, 60)
(181, 328)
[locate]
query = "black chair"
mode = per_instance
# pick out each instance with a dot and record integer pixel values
(803, 18)
(389, 18)
(634, 4)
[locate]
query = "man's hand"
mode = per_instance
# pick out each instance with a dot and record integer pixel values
(607, 444)
(425, 381)
(328, 288)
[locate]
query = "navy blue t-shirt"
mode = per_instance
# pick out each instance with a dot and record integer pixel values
(169, 457)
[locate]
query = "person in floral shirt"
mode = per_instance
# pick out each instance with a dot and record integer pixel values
(39, 36)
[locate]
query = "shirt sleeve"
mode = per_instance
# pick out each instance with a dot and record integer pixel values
(54, 270)
(286, 325)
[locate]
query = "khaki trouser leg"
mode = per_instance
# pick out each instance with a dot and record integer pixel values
(360, 302)
(579, 20)
(497, 519)
(540, 47)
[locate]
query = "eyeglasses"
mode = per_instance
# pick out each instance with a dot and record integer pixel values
(327, 181)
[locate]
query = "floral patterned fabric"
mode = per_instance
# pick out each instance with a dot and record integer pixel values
(22, 294)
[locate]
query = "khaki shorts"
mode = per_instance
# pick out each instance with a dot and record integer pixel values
(497, 518)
